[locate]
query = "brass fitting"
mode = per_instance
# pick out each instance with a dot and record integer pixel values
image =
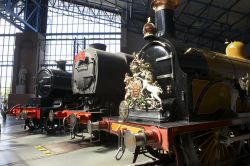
(164, 4)
(236, 49)
(149, 29)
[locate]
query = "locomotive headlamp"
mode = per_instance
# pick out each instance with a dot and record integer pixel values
(131, 140)
(123, 110)
(51, 115)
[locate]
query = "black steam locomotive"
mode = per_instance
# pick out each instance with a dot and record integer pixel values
(189, 104)
(98, 80)
(54, 88)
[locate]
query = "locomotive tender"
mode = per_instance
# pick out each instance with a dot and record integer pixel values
(190, 103)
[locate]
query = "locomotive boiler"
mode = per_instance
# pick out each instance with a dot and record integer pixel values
(100, 73)
(54, 82)
(190, 103)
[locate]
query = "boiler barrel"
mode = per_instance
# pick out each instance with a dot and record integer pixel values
(99, 72)
(53, 82)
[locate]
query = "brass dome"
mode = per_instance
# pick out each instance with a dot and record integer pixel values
(236, 49)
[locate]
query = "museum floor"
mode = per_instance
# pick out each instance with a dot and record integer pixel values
(21, 148)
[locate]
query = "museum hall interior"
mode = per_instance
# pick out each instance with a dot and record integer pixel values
(124, 82)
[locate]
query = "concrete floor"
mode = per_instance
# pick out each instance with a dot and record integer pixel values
(21, 148)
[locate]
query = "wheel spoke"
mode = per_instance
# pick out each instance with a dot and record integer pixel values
(201, 135)
(207, 147)
(208, 151)
(205, 142)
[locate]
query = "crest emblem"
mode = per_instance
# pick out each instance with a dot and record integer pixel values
(142, 92)
(136, 89)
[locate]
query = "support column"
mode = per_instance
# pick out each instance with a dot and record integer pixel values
(36, 12)
(28, 53)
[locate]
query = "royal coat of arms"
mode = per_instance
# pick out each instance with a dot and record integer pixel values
(142, 92)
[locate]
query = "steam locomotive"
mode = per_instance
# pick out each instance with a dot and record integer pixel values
(188, 104)
(53, 86)
(94, 69)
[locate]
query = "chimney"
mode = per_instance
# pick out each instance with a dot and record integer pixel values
(61, 64)
(164, 17)
(98, 46)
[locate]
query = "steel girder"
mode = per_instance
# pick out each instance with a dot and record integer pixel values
(87, 10)
(23, 14)
(213, 30)
(134, 13)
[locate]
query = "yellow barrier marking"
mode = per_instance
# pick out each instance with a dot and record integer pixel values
(46, 152)
(117, 126)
